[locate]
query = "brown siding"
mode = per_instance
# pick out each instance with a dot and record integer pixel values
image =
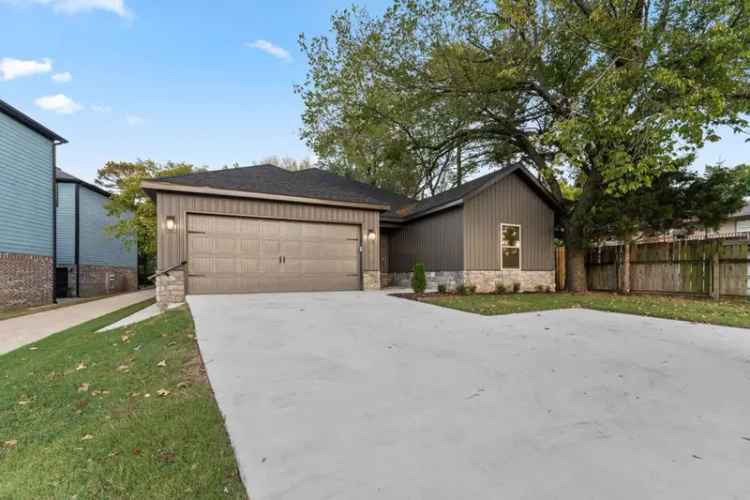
(172, 246)
(510, 201)
(436, 241)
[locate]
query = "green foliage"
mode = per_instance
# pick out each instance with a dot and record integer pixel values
(461, 289)
(500, 288)
(136, 212)
(516, 287)
(418, 279)
(442, 288)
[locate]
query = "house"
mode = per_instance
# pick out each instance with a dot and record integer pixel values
(265, 229)
(89, 261)
(27, 209)
(738, 222)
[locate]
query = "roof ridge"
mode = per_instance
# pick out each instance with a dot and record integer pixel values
(220, 170)
(361, 183)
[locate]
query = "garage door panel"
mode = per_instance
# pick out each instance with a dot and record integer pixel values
(242, 255)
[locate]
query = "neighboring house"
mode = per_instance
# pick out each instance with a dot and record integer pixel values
(27, 209)
(738, 222)
(89, 261)
(265, 229)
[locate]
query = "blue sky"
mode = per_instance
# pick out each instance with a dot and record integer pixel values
(204, 82)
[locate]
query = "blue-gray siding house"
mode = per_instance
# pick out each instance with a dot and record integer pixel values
(27, 209)
(90, 262)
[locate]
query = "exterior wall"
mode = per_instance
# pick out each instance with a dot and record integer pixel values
(510, 201)
(485, 281)
(371, 280)
(103, 280)
(172, 246)
(450, 279)
(97, 248)
(26, 190)
(25, 280)
(66, 224)
(170, 289)
(436, 241)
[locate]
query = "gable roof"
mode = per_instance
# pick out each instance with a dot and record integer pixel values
(456, 196)
(30, 123)
(63, 176)
(319, 184)
(270, 179)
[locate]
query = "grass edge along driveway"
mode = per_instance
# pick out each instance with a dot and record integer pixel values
(733, 312)
(122, 414)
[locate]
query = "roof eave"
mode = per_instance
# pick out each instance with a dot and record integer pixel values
(31, 123)
(151, 187)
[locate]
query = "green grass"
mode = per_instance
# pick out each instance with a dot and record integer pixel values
(81, 415)
(724, 312)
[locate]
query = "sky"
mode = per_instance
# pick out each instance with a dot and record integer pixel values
(210, 83)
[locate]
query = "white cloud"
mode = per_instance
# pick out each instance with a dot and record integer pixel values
(15, 68)
(133, 120)
(58, 103)
(62, 77)
(271, 49)
(101, 109)
(74, 6)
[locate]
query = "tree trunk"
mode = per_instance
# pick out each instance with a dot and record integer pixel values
(626, 267)
(575, 269)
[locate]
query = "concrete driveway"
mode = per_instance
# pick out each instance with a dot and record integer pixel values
(358, 395)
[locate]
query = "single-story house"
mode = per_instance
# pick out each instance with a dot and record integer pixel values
(266, 229)
(89, 261)
(738, 222)
(27, 209)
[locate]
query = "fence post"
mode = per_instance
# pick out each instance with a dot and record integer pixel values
(715, 274)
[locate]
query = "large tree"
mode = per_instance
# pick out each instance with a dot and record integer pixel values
(603, 95)
(136, 212)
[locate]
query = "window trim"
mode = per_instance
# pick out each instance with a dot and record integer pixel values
(520, 246)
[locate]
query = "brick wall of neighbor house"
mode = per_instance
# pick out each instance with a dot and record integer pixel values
(103, 280)
(26, 280)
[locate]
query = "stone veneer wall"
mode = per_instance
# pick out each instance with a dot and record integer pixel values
(25, 280)
(103, 280)
(484, 280)
(371, 280)
(170, 288)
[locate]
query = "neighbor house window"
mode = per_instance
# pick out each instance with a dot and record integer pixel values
(510, 246)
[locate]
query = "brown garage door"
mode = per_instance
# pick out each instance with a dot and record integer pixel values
(242, 255)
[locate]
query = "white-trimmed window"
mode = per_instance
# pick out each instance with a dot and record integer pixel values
(510, 246)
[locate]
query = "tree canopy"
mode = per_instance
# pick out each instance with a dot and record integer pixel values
(601, 98)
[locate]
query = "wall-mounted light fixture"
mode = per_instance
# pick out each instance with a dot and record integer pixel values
(371, 235)
(171, 224)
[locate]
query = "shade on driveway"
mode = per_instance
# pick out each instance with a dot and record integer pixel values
(358, 395)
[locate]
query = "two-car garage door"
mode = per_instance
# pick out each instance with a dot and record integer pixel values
(242, 255)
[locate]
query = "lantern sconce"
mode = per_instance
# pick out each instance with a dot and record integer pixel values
(371, 235)
(171, 224)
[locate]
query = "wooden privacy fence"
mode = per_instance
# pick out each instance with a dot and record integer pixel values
(703, 267)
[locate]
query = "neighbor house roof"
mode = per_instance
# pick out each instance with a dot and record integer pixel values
(63, 176)
(30, 122)
(743, 212)
(321, 185)
(269, 179)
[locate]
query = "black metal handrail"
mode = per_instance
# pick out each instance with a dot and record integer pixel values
(166, 271)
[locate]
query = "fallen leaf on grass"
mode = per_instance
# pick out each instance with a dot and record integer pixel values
(24, 402)
(123, 368)
(83, 387)
(81, 366)
(162, 392)
(10, 444)
(33, 348)
(125, 339)
(162, 363)
(147, 395)
(182, 385)
(138, 347)
(87, 437)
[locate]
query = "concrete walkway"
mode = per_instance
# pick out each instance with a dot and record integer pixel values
(358, 395)
(16, 332)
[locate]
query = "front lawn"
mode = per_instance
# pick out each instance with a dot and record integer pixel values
(122, 414)
(724, 312)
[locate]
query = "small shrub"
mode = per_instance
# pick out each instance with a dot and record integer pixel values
(516, 287)
(539, 288)
(461, 289)
(500, 288)
(418, 279)
(548, 289)
(471, 290)
(442, 288)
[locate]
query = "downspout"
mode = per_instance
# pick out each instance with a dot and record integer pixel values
(78, 240)
(54, 222)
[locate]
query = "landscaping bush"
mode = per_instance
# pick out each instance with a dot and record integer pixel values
(548, 289)
(500, 288)
(539, 288)
(442, 288)
(471, 289)
(461, 289)
(516, 287)
(418, 279)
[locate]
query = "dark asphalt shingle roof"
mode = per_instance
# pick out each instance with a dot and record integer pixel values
(316, 183)
(30, 122)
(310, 183)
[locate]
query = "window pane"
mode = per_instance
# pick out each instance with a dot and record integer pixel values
(511, 258)
(511, 236)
